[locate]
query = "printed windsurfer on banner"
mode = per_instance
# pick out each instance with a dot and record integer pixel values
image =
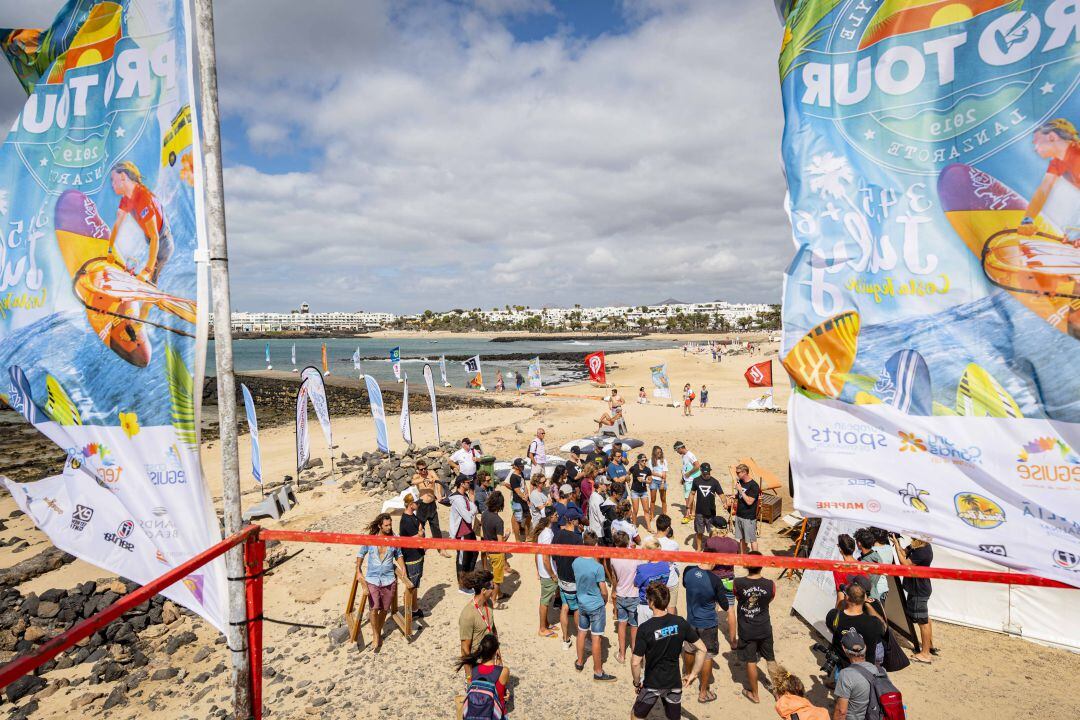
(1058, 142)
(137, 202)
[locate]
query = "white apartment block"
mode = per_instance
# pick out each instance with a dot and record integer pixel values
(655, 315)
(277, 322)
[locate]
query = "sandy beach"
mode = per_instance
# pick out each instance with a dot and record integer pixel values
(307, 675)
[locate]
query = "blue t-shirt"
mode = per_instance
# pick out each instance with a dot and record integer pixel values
(588, 573)
(376, 571)
(703, 591)
(658, 571)
(616, 471)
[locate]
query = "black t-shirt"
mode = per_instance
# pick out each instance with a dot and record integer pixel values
(564, 563)
(491, 526)
(923, 557)
(516, 483)
(743, 510)
(639, 478)
(572, 469)
(659, 641)
(598, 457)
(866, 624)
(705, 491)
(410, 527)
(752, 597)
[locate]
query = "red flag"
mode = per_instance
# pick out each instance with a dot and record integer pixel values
(597, 368)
(759, 374)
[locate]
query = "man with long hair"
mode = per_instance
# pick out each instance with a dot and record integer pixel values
(383, 562)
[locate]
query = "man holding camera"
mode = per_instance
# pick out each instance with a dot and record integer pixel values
(746, 497)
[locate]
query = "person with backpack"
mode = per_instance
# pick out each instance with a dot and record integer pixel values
(863, 692)
(485, 697)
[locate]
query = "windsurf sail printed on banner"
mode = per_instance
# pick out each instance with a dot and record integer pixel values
(933, 165)
(100, 177)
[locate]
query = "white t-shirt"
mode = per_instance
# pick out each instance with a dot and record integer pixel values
(462, 510)
(537, 501)
(596, 516)
(466, 461)
(538, 451)
(625, 526)
(660, 467)
(670, 545)
(544, 538)
(688, 460)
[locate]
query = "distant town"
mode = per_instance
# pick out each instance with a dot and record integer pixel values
(670, 315)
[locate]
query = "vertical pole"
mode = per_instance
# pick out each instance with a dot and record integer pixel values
(226, 383)
(254, 560)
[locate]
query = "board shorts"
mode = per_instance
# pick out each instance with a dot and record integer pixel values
(626, 610)
(548, 589)
(592, 620)
(498, 566)
(647, 697)
(381, 596)
(710, 637)
(753, 650)
(745, 529)
(414, 570)
(702, 524)
(569, 600)
(729, 591)
(917, 609)
(519, 513)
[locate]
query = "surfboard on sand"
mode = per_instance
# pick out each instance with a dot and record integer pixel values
(1042, 271)
(823, 357)
(113, 296)
(980, 395)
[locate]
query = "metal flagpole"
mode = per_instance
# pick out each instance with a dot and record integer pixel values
(226, 382)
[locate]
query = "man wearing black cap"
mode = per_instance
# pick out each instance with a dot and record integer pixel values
(463, 461)
(568, 534)
(573, 465)
(702, 505)
(521, 521)
(853, 688)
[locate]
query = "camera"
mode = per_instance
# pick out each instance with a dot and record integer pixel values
(831, 658)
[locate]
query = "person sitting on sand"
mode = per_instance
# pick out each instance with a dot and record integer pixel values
(486, 674)
(791, 699)
(642, 398)
(614, 413)
(380, 575)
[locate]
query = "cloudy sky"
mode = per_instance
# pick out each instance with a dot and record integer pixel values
(412, 154)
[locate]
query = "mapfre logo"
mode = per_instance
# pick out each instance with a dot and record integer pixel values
(1047, 461)
(869, 505)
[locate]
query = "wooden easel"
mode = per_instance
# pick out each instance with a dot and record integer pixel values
(354, 617)
(800, 551)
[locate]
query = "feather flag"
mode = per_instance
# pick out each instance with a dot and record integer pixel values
(442, 370)
(395, 360)
(268, 365)
(597, 367)
(534, 374)
(294, 356)
(430, 380)
(317, 394)
(661, 387)
(472, 365)
(303, 442)
(253, 427)
(325, 365)
(378, 413)
(406, 419)
(356, 361)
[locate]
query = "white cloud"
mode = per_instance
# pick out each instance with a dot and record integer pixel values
(450, 166)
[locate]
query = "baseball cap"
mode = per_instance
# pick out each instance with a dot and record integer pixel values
(518, 463)
(466, 440)
(566, 488)
(864, 582)
(679, 444)
(549, 511)
(853, 642)
(572, 514)
(617, 442)
(706, 467)
(575, 450)
(641, 456)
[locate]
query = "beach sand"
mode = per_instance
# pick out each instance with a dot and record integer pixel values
(979, 674)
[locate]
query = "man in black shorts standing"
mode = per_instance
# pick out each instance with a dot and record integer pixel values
(702, 507)
(659, 644)
(753, 594)
(410, 526)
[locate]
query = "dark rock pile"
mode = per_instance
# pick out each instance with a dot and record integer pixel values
(392, 472)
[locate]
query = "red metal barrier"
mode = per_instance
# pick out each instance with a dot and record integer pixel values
(51, 648)
(684, 556)
(254, 557)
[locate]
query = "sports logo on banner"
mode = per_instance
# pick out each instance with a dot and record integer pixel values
(434, 408)
(759, 374)
(395, 361)
(597, 367)
(406, 419)
(661, 385)
(101, 335)
(535, 382)
(932, 311)
(253, 428)
(378, 413)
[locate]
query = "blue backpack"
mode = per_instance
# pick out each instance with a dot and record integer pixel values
(482, 700)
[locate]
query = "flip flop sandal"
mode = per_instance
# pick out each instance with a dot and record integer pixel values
(920, 660)
(709, 697)
(549, 633)
(748, 696)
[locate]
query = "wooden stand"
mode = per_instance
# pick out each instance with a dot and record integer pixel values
(354, 616)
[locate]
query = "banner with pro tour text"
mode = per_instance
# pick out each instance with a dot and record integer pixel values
(102, 332)
(932, 309)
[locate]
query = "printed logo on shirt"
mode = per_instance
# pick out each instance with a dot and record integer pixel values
(705, 490)
(666, 631)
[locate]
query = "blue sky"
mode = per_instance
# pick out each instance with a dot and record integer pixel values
(391, 155)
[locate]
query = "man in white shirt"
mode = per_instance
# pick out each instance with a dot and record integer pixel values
(463, 461)
(463, 513)
(545, 569)
(537, 451)
(691, 470)
(596, 501)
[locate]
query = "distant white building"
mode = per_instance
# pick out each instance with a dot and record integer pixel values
(633, 316)
(307, 320)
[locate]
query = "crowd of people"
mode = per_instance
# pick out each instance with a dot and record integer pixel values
(603, 498)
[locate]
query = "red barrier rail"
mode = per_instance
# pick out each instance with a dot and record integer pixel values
(685, 556)
(51, 648)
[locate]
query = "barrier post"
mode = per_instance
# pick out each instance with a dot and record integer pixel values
(254, 563)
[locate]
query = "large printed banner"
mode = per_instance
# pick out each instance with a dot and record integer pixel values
(932, 310)
(100, 290)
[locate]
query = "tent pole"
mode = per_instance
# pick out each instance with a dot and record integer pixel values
(226, 382)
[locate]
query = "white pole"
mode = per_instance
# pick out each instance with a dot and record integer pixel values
(226, 383)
